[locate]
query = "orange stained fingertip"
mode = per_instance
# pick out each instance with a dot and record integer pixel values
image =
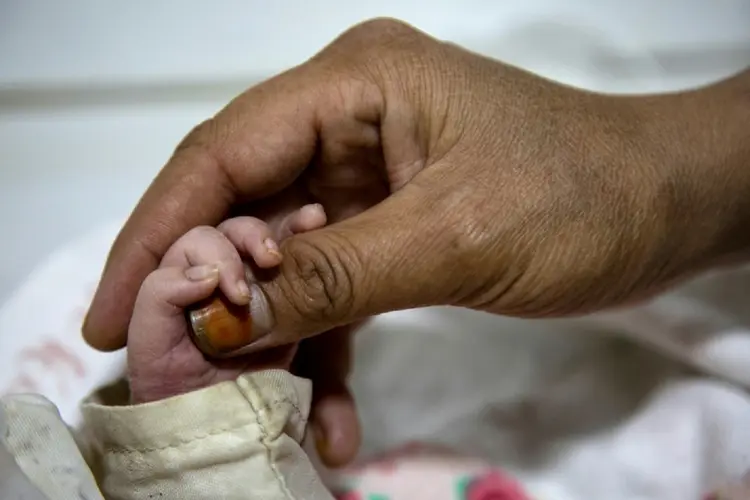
(219, 327)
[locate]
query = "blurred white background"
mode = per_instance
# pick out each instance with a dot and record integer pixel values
(94, 94)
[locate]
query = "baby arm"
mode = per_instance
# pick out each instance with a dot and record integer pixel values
(196, 427)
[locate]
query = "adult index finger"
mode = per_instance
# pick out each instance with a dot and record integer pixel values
(254, 147)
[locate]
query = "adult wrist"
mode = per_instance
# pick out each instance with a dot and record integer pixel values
(699, 143)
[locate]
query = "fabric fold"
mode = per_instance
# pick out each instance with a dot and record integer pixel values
(234, 440)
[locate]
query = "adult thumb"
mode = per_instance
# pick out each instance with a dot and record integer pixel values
(396, 255)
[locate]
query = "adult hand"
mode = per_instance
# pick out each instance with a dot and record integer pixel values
(449, 178)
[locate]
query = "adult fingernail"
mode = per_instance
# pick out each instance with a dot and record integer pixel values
(202, 273)
(272, 247)
(260, 310)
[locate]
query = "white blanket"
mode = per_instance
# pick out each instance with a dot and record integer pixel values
(643, 404)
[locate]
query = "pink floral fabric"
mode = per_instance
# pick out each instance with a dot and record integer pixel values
(417, 472)
(494, 485)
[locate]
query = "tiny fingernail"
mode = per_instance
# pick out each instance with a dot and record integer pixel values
(316, 210)
(243, 289)
(272, 247)
(202, 273)
(312, 206)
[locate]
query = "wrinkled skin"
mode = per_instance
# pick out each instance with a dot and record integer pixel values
(448, 178)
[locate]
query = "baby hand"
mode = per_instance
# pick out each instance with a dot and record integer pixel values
(163, 361)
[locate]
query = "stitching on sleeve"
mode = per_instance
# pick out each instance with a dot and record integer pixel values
(177, 443)
(277, 402)
(263, 441)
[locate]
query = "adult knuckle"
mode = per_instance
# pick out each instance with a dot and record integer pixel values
(320, 283)
(383, 26)
(468, 230)
(201, 136)
(384, 51)
(375, 38)
(200, 155)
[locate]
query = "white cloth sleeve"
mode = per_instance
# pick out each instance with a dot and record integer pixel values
(234, 440)
(39, 459)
